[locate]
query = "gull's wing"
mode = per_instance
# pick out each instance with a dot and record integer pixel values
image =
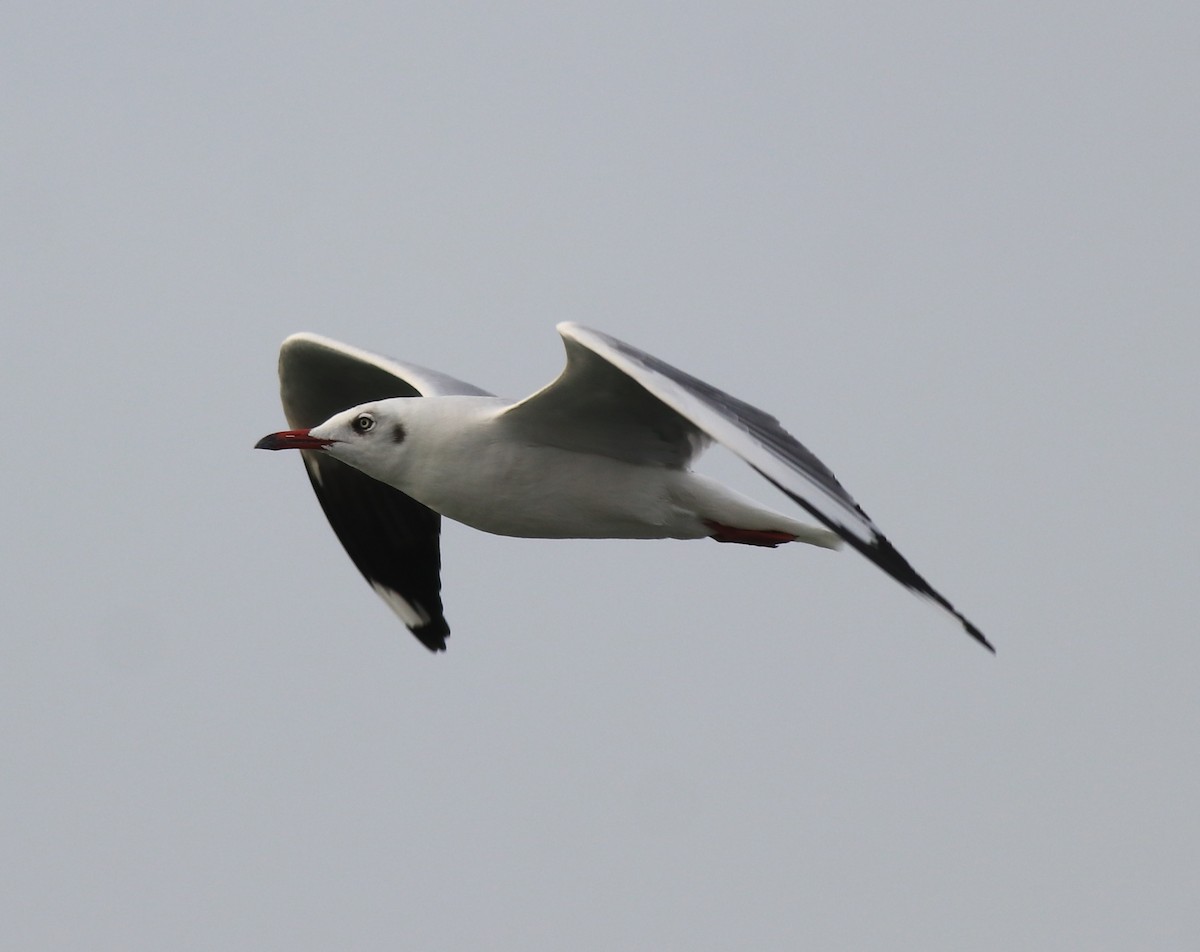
(618, 401)
(392, 539)
(596, 405)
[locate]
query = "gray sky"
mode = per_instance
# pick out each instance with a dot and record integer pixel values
(951, 246)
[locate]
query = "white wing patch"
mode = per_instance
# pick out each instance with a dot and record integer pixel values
(412, 616)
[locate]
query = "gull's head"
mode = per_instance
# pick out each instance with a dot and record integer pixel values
(367, 437)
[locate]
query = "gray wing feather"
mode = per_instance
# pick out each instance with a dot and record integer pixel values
(597, 406)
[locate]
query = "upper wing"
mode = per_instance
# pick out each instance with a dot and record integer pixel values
(597, 406)
(391, 538)
(622, 393)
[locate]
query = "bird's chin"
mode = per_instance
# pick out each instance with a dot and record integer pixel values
(292, 440)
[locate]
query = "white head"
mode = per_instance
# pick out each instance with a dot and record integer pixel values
(419, 445)
(372, 437)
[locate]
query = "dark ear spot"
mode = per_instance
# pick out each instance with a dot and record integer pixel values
(398, 433)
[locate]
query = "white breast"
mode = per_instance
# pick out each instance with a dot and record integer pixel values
(545, 492)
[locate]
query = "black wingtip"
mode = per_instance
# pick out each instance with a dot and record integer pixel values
(885, 555)
(434, 646)
(880, 551)
(977, 635)
(433, 635)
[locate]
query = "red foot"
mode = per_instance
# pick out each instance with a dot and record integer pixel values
(766, 537)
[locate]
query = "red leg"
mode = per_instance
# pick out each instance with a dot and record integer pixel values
(767, 537)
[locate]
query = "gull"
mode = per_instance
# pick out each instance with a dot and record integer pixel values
(602, 452)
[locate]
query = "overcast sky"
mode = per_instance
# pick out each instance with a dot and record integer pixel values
(952, 246)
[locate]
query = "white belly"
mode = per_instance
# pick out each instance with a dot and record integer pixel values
(548, 493)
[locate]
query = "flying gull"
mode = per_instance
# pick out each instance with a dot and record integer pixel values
(600, 453)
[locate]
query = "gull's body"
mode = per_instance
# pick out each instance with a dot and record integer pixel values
(601, 452)
(459, 461)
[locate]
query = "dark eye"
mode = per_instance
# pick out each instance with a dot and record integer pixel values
(364, 422)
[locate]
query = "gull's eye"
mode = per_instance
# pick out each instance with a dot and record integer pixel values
(364, 422)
